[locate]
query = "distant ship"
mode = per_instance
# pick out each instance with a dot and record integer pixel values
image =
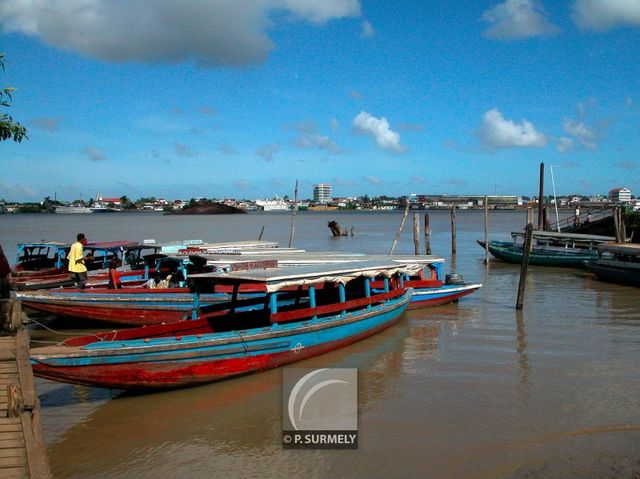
(70, 209)
(273, 205)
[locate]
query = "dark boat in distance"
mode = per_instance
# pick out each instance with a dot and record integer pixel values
(207, 208)
(549, 248)
(617, 263)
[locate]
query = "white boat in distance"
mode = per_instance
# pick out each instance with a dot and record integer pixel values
(277, 204)
(71, 209)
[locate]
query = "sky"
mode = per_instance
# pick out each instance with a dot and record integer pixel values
(188, 98)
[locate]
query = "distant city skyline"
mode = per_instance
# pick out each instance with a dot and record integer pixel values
(226, 99)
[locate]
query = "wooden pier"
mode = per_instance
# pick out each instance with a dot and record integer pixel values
(22, 450)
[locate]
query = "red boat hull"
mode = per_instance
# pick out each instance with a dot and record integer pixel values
(121, 316)
(176, 374)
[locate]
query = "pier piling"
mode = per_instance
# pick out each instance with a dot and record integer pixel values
(416, 233)
(453, 230)
(524, 266)
(486, 230)
(404, 218)
(427, 234)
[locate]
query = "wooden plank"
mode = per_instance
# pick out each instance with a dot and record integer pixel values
(15, 473)
(7, 354)
(4, 421)
(12, 462)
(12, 443)
(10, 435)
(13, 452)
(10, 427)
(27, 383)
(34, 443)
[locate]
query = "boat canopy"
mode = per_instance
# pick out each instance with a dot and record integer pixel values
(319, 258)
(575, 237)
(625, 249)
(282, 277)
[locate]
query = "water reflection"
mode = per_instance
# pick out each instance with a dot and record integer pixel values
(221, 425)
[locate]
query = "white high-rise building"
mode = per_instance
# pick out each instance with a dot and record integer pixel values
(322, 193)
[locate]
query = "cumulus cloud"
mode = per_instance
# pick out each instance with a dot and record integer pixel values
(267, 151)
(498, 132)
(214, 33)
(308, 137)
(601, 15)
(379, 130)
(516, 19)
(46, 123)
(581, 132)
(93, 154)
(564, 144)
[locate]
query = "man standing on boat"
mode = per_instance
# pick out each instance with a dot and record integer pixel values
(76, 258)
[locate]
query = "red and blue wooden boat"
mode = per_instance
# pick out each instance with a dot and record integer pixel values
(295, 320)
(141, 306)
(44, 265)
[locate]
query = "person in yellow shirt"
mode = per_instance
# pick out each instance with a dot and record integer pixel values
(76, 258)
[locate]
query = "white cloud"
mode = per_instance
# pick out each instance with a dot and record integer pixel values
(564, 144)
(603, 15)
(367, 29)
(378, 129)
(515, 19)
(215, 32)
(308, 137)
(497, 132)
(579, 130)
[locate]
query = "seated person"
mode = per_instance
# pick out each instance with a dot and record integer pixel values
(114, 274)
(176, 280)
(155, 282)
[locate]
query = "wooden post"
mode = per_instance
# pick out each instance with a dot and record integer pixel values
(616, 224)
(526, 250)
(453, 230)
(404, 218)
(293, 214)
(261, 232)
(541, 197)
(486, 230)
(416, 233)
(427, 234)
(11, 315)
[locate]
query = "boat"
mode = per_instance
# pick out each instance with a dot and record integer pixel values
(44, 265)
(549, 248)
(617, 263)
(140, 306)
(61, 209)
(277, 204)
(307, 311)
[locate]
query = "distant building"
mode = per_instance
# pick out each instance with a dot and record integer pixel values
(620, 195)
(322, 193)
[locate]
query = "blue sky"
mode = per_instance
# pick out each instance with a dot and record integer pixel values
(188, 98)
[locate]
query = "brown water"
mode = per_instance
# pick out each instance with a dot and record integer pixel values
(470, 390)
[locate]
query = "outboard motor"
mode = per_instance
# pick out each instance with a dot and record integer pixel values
(454, 278)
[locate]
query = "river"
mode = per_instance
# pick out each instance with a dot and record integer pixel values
(468, 390)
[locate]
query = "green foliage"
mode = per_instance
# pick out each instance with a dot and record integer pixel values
(9, 129)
